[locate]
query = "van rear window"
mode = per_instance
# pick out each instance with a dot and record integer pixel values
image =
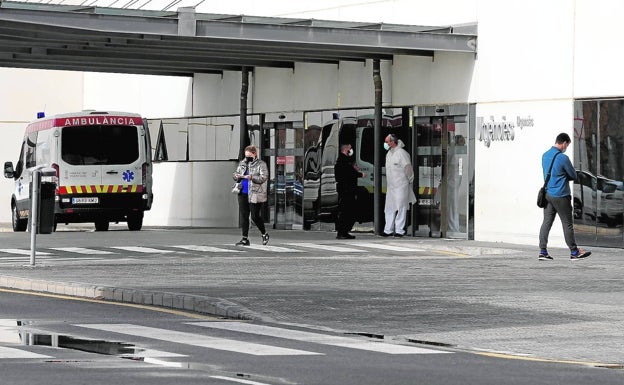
(91, 145)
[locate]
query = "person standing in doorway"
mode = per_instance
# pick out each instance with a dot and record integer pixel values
(399, 192)
(559, 198)
(346, 173)
(253, 174)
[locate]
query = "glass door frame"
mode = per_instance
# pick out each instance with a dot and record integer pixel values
(447, 118)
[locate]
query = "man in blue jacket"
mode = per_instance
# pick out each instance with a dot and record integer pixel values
(559, 198)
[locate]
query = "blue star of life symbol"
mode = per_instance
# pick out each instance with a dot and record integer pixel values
(128, 175)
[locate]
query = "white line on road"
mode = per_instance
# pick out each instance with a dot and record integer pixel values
(318, 338)
(239, 380)
(21, 252)
(18, 353)
(383, 246)
(207, 249)
(275, 249)
(82, 250)
(339, 249)
(198, 340)
(140, 249)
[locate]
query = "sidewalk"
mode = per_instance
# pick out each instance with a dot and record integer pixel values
(465, 294)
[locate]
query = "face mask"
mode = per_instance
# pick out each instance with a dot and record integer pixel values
(386, 146)
(350, 153)
(249, 159)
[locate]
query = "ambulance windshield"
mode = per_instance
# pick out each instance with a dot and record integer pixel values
(99, 144)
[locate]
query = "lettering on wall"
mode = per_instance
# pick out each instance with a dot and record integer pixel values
(499, 130)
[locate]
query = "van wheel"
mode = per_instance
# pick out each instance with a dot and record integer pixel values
(101, 225)
(135, 222)
(18, 223)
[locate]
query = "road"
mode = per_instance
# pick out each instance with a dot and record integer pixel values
(52, 340)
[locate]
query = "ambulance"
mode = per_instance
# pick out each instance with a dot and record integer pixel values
(103, 164)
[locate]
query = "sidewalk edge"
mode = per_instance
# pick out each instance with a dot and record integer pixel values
(188, 302)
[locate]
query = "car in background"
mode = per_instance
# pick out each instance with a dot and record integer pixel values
(598, 198)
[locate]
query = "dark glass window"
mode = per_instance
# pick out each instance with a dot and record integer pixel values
(92, 145)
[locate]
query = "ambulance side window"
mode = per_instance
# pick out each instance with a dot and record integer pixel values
(30, 146)
(19, 167)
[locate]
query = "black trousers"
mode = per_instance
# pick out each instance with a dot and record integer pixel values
(346, 212)
(244, 208)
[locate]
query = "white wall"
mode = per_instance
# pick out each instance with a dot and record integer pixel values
(509, 172)
(193, 194)
(150, 96)
(24, 93)
(598, 57)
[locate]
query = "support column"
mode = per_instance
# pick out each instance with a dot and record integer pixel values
(378, 143)
(244, 135)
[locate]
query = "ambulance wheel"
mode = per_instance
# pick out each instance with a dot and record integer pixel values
(18, 223)
(101, 225)
(135, 222)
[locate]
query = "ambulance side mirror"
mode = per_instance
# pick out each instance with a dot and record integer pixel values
(9, 172)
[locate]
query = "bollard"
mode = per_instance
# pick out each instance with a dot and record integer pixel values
(41, 210)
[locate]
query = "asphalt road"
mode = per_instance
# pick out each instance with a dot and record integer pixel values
(59, 341)
(471, 296)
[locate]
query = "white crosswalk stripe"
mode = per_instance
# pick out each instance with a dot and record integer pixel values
(21, 252)
(141, 249)
(207, 249)
(82, 250)
(6, 352)
(383, 246)
(275, 249)
(325, 339)
(198, 340)
(339, 249)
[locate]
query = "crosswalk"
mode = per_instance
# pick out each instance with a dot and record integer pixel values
(12, 256)
(240, 338)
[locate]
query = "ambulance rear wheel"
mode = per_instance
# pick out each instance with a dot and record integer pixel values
(135, 222)
(18, 223)
(101, 225)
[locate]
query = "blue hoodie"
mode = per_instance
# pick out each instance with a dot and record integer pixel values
(562, 173)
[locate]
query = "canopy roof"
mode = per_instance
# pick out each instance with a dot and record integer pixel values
(183, 42)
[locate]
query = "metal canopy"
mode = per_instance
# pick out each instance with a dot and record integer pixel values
(184, 42)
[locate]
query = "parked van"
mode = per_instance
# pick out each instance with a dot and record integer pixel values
(320, 194)
(103, 166)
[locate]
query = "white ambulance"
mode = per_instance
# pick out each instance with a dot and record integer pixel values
(103, 164)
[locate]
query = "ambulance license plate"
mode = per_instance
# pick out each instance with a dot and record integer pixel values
(85, 200)
(425, 202)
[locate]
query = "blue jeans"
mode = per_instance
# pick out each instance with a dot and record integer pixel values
(561, 206)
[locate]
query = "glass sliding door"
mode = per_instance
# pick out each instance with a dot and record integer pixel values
(598, 194)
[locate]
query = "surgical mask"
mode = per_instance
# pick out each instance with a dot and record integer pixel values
(350, 153)
(249, 158)
(386, 146)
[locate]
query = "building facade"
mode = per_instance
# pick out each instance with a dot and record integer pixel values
(541, 68)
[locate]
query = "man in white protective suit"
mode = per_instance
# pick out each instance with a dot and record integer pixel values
(399, 193)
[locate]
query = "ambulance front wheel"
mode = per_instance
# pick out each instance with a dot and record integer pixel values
(135, 221)
(18, 223)
(101, 225)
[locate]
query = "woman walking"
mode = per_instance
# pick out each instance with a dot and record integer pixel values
(253, 174)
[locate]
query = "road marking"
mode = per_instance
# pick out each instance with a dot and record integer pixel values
(22, 252)
(383, 246)
(82, 250)
(318, 338)
(18, 353)
(207, 249)
(141, 249)
(198, 340)
(339, 249)
(275, 249)
(239, 380)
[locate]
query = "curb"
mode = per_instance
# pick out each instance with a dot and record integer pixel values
(196, 303)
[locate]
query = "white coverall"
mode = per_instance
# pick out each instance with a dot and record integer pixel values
(399, 193)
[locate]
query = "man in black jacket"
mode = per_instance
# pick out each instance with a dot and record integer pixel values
(346, 173)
